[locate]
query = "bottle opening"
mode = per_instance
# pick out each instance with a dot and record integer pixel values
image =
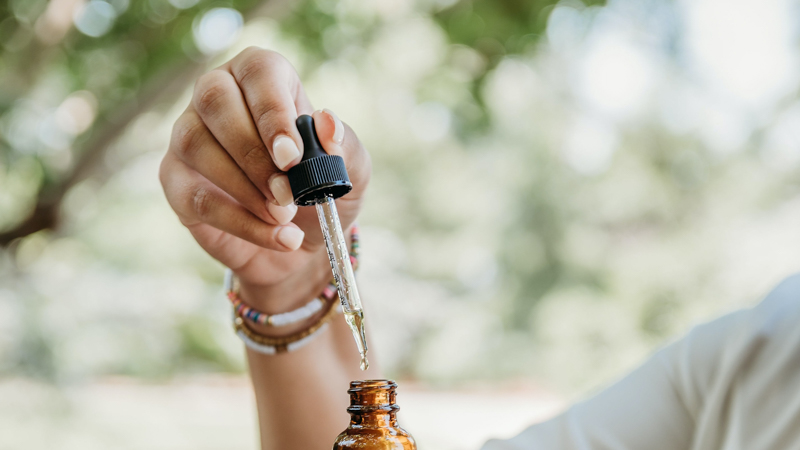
(372, 384)
(373, 395)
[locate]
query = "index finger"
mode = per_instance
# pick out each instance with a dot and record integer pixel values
(275, 98)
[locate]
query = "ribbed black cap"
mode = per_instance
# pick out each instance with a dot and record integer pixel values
(319, 174)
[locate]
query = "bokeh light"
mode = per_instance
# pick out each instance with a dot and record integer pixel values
(95, 18)
(217, 30)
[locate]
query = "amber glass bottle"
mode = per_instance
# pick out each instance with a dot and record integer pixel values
(373, 419)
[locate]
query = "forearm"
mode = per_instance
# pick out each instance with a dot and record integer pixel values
(301, 395)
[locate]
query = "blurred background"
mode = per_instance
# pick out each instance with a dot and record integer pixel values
(560, 187)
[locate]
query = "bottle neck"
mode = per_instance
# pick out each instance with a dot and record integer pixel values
(374, 419)
(373, 404)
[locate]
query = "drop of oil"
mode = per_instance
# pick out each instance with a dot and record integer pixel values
(356, 322)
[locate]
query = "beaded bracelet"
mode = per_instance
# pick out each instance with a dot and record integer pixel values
(271, 349)
(273, 320)
(298, 315)
(272, 345)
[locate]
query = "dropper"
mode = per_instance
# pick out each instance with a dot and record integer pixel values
(318, 180)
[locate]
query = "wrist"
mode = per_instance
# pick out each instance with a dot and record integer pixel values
(291, 293)
(295, 291)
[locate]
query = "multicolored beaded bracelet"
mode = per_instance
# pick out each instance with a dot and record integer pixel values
(273, 345)
(304, 312)
(282, 319)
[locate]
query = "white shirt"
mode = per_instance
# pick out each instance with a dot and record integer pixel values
(730, 384)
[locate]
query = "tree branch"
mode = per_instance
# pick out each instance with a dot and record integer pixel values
(45, 214)
(161, 88)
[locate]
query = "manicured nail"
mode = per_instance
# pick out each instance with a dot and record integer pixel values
(290, 237)
(338, 128)
(284, 150)
(281, 189)
(283, 214)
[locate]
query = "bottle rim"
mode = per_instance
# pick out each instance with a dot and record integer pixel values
(362, 385)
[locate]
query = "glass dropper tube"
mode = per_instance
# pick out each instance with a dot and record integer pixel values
(342, 267)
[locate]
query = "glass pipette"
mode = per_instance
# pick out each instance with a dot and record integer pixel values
(342, 267)
(318, 180)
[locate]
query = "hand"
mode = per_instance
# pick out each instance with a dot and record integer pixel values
(224, 173)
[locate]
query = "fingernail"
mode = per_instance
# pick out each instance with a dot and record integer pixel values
(284, 150)
(338, 128)
(290, 237)
(281, 189)
(283, 214)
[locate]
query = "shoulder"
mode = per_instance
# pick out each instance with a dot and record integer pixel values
(776, 315)
(737, 346)
(779, 312)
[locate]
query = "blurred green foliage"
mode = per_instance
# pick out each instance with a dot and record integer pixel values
(126, 70)
(496, 29)
(149, 46)
(142, 58)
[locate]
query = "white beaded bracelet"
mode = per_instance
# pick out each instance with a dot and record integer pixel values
(272, 349)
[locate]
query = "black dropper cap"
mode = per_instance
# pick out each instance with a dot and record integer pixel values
(319, 174)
